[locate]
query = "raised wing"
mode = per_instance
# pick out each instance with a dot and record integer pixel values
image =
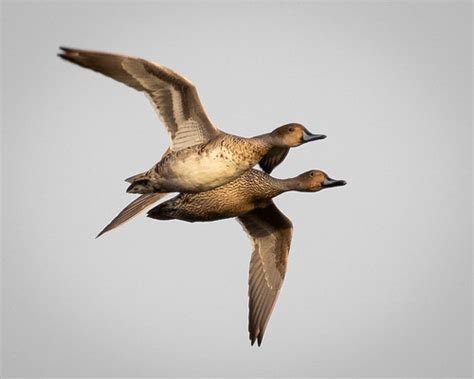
(270, 231)
(174, 97)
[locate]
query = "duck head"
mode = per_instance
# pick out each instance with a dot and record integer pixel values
(292, 135)
(316, 180)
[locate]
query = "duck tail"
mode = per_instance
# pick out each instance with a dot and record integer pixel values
(132, 209)
(141, 183)
(134, 178)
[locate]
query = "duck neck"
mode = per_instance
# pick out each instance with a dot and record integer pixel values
(285, 185)
(264, 142)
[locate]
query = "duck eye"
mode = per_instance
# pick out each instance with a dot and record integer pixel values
(311, 174)
(291, 129)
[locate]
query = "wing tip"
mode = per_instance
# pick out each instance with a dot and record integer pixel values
(108, 228)
(255, 337)
(68, 55)
(103, 231)
(66, 51)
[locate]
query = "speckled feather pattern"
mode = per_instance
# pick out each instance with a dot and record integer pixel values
(218, 161)
(253, 189)
(213, 171)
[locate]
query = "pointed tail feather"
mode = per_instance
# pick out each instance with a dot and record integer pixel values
(143, 175)
(132, 209)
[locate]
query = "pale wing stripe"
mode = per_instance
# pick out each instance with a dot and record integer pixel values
(173, 96)
(155, 85)
(270, 232)
(178, 107)
(261, 301)
(167, 97)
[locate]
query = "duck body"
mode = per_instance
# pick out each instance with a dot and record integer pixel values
(253, 189)
(202, 167)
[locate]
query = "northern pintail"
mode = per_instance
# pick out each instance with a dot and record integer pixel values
(201, 156)
(249, 198)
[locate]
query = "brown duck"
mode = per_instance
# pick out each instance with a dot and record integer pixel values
(249, 198)
(201, 157)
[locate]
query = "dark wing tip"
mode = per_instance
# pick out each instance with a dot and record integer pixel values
(66, 51)
(68, 54)
(70, 50)
(255, 337)
(109, 227)
(65, 57)
(102, 231)
(76, 56)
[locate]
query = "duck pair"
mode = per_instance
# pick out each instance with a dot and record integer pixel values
(212, 171)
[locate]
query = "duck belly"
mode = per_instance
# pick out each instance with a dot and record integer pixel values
(196, 174)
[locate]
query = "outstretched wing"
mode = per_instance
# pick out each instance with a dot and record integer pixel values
(133, 209)
(174, 97)
(270, 231)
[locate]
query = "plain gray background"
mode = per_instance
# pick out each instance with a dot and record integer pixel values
(379, 278)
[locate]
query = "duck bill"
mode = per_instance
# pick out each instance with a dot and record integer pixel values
(308, 136)
(328, 183)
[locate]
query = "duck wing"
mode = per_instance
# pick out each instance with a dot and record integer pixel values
(132, 209)
(273, 158)
(270, 231)
(174, 97)
(135, 207)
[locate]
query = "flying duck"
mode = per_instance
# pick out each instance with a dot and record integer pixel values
(201, 156)
(249, 198)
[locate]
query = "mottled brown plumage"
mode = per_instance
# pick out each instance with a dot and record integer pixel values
(201, 156)
(249, 198)
(253, 189)
(250, 190)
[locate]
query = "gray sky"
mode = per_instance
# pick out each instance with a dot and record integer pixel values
(379, 278)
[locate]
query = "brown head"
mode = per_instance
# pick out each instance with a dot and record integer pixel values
(316, 180)
(292, 135)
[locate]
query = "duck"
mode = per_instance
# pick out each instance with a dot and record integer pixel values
(201, 156)
(249, 199)
(253, 189)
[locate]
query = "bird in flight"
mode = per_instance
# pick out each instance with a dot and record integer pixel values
(249, 199)
(213, 172)
(201, 156)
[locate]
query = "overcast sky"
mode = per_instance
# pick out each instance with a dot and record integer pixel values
(379, 277)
